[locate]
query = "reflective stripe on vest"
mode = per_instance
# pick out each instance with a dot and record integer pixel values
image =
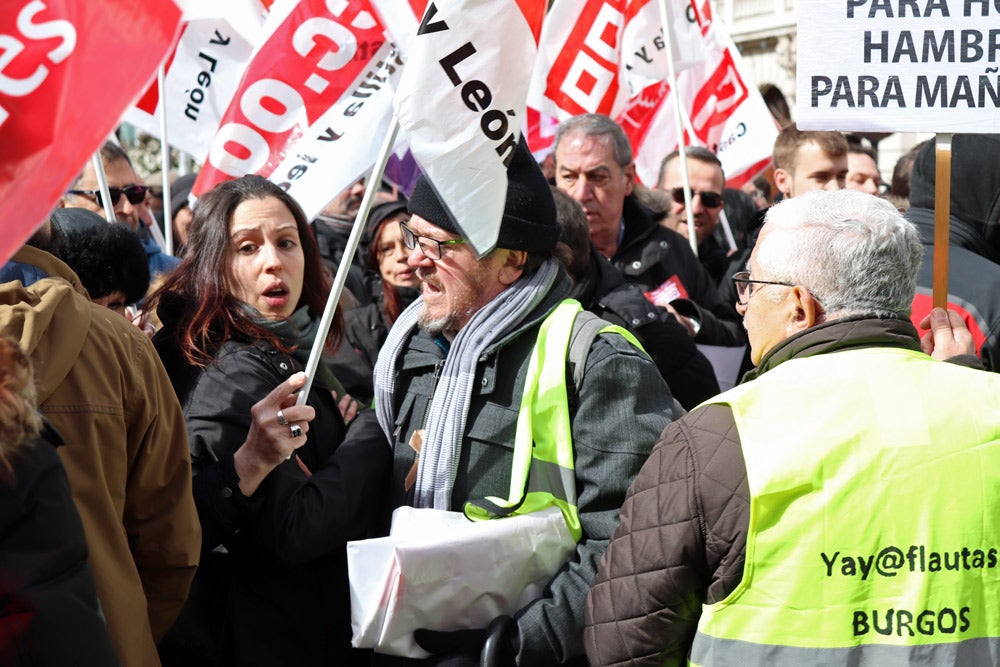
(542, 473)
(874, 535)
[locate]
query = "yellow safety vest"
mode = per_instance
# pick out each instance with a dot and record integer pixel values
(543, 474)
(874, 537)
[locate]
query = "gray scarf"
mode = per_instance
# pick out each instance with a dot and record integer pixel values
(449, 408)
(299, 332)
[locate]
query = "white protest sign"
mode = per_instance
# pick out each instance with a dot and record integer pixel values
(899, 65)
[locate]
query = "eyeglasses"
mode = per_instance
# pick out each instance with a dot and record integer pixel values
(744, 286)
(431, 248)
(709, 199)
(136, 194)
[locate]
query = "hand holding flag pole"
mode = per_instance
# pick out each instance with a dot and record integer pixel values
(345, 263)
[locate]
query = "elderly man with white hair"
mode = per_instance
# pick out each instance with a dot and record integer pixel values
(812, 514)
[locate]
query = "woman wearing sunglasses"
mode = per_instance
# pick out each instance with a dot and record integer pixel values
(280, 487)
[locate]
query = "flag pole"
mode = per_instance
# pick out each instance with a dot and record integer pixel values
(102, 185)
(942, 217)
(681, 151)
(168, 226)
(316, 354)
(727, 229)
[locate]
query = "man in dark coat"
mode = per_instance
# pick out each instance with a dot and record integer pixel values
(602, 289)
(594, 166)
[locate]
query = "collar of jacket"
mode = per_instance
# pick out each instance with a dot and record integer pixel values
(50, 264)
(837, 335)
(640, 222)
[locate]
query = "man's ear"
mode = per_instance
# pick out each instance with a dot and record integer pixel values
(783, 181)
(629, 171)
(804, 310)
(512, 267)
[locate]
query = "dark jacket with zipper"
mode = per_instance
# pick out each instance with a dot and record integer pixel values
(603, 290)
(273, 585)
(973, 238)
(650, 254)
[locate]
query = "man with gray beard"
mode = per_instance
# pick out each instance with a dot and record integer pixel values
(449, 385)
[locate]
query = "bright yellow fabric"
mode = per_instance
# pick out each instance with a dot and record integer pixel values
(873, 478)
(542, 471)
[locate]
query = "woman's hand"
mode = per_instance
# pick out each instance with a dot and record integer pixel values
(277, 430)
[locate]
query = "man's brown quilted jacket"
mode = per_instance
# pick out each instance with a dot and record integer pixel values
(681, 538)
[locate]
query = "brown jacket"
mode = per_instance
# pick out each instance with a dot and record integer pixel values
(102, 385)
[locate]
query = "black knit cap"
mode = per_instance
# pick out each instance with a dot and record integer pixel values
(380, 212)
(529, 213)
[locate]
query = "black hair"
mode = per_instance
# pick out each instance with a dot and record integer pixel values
(107, 258)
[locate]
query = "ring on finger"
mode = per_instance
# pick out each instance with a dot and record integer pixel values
(295, 430)
(281, 418)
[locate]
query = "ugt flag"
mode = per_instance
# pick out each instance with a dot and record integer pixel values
(68, 69)
(461, 101)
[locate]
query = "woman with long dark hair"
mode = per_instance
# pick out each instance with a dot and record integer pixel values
(279, 487)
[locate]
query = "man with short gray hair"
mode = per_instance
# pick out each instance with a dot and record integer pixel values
(594, 166)
(812, 515)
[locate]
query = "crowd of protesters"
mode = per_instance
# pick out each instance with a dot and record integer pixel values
(204, 511)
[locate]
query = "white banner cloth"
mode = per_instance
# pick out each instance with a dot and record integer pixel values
(438, 570)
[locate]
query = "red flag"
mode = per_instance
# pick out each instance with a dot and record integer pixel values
(726, 112)
(312, 56)
(68, 70)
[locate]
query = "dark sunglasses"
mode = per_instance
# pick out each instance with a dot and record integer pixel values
(136, 194)
(709, 199)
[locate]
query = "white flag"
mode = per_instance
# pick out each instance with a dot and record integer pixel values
(342, 145)
(202, 73)
(726, 111)
(461, 102)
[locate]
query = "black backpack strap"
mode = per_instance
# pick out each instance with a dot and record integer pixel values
(586, 327)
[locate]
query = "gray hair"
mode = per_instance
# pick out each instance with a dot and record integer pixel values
(596, 125)
(854, 252)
